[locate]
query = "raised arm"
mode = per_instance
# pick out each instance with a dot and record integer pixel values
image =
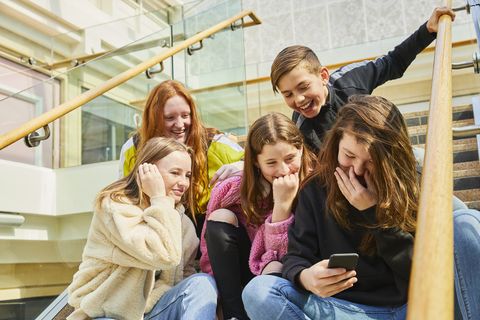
(371, 74)
(150, 238)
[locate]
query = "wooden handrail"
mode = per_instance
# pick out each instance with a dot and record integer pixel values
(430, 295)
(55, 113)
(334, 66)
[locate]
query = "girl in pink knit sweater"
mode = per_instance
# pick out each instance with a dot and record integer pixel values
(248, 216)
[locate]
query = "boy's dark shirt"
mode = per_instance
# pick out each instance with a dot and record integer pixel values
(315, 235)
(360, 78)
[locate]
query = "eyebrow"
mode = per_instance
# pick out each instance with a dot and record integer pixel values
(274, 159)
(353, 153)
(298, 85)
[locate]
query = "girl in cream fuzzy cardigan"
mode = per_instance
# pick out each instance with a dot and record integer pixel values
(137, 262)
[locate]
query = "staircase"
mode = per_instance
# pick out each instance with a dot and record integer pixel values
(466, 164)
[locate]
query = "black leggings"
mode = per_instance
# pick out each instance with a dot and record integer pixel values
(228, 250)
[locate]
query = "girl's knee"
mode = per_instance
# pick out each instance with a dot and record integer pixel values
(203, 284)
(466, 215)
(224, 215)
(260, 286)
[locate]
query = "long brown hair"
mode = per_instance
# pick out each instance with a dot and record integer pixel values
(197, 137)
(129, 189)
(268, 129)
(378, 124)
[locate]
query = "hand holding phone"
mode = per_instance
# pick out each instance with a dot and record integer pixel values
(343, 260)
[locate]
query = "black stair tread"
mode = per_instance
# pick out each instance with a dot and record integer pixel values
(466, 183)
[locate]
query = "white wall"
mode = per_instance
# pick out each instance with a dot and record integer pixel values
(41, 191)
(56, 205)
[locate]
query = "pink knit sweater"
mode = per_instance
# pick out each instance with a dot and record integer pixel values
(269, 241)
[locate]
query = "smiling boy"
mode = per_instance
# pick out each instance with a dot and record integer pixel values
(316, 96)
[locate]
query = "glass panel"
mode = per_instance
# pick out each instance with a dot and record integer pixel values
(113, 113)
(27, 105)
(107, 121)
(216, 66)
(106, 125)
(96, 131)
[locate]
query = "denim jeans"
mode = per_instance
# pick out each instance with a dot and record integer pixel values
(194, 298)
(285, 302)
(466, 232)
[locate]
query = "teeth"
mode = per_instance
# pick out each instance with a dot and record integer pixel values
(305, 106)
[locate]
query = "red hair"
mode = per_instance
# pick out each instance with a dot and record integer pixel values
(153, 126)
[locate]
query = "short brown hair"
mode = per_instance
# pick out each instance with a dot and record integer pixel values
(289, 58)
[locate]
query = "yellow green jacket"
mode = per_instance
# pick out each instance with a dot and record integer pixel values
(222, 150)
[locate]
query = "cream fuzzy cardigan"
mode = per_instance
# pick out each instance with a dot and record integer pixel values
(125, 246)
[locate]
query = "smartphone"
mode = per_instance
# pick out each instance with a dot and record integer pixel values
(343, 260)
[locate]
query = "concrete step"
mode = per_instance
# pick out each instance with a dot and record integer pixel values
(468, 195)
(466, 169)
(420, 117)
(422, 129)
(473, 204)
(465, 144)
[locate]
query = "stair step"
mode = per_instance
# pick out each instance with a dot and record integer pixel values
(468, 195)
(465, 144)
(466, 183)
(422, 129)
(456, 112)
(464, 156)
(470, 165)
(473, 204)
(466, 172)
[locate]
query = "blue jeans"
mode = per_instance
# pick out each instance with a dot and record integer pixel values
(466, 232)
(194, 298)
(285, 302)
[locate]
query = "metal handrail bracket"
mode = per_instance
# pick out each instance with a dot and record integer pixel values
(33, 139)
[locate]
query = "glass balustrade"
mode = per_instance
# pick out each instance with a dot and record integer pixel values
(96, 132)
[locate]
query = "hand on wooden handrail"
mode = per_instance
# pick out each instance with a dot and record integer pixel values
(432, 23)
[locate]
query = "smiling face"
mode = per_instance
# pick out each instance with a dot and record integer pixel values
(176, 170)
(176, 117)
(303, 91)
(278, 160)
(351, 153)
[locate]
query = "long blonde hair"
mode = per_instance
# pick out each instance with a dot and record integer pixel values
(129, 189)
(378, 124)
(267, 130)
(197, 136)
